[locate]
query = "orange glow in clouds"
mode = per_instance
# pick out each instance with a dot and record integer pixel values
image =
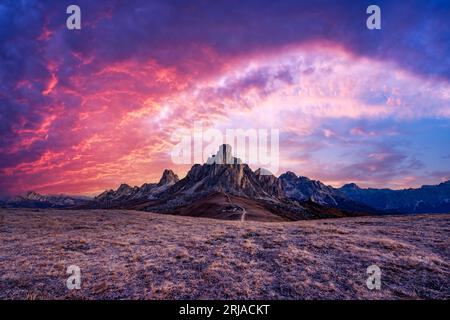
(119, 125)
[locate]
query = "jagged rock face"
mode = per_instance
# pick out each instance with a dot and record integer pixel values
(146, 191)
(270, 183)
(168, 178)
(123, 192)
(224, 173)
(31, 195)
(237, 179)
(223, 156)
(303, 189)
(427, 199)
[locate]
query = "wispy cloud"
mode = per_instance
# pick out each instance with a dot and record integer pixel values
(84, 111)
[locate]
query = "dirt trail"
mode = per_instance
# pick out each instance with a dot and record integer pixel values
(244, 212)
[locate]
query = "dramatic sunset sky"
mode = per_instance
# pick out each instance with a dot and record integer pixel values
(82, 111)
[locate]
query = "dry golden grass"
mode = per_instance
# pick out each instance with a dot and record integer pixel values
(139, 255)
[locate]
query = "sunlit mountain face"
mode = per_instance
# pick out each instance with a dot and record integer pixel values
(82, 111)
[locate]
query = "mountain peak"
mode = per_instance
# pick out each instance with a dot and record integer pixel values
(229, 177)
(223, 156)
(123, 187)
(168, 178)
(350, 186)
(288, 175)
(30, 194)
(32, 199)
(263, 172)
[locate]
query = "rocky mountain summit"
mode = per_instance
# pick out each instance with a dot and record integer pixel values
(303, 189)
(224, 156)
(126, 193)
(168, 178)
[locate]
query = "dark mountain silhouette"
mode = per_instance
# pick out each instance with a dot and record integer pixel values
(270, 183)
(32, 199)
(303, 188)
(168, 178)
(126, 193)
(426, 199)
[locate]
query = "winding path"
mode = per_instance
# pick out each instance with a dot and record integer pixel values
(244, 212)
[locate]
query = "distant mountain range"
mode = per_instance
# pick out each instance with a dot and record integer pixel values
(426, 199)
(32, 199)
(226, 188)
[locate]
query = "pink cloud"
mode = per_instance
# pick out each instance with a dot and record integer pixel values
(124, 113)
